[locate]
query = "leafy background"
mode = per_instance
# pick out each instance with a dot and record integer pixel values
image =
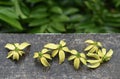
(59, 16)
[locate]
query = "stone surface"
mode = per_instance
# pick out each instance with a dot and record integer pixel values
(27, 68)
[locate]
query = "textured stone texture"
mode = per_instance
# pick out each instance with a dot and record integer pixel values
(27, 68)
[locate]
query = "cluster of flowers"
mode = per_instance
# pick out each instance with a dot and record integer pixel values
(94, 54)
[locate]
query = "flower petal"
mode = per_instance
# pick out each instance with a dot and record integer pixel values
(23, 45)
(94, 61)
(73, 52)
(15, 56)
(89, 41)
(99, 44)
(10, 46)
(36, 55)
(100, 53)
(92, 50)
(83, 61)
(71, 57)
(9, 54)
(20, 53)
(61, 56)
(76, 63)
(96, 49)
(47, 56)
(44, 50)
(54, 53)
(66, 49)
(109, 54)
(83, 55)
(51, 46)
(93, 55)
(44, 62)
(88, 47)
(62, 42)
(103, 51)
(17, 45)
(95, 65)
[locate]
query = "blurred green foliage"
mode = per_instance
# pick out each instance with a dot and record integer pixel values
(59, 16)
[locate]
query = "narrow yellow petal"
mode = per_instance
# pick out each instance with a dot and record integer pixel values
(74, 52)
(99, 44)
(83, 61)
(54, 53)
(61, 56)
(88, 48)
(66, 49)
(15, 56)
(109, 54)
(51, 46)
(92, 50)
(21, 53)
(103, 51)
(9, 54)
(36, 55)
(93, 55)
(44, 62)
(76, 63)
(23, 45)
(17, 45)
(89, 41)
(94, 65)
(10, 46)
(83, 55)
(71, 57)
(94, 61)
(47, 56)
(100, 53)
(44, 50)
(96, 49)
(62, 42)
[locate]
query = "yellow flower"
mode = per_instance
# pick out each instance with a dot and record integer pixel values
(100, 57)
(16, 50)
(93, 46)
(58, 49)
(42, 56)
(77, 57)
(105, 56)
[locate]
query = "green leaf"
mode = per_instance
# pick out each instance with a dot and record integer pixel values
(18, 9)
(34, 1)
(13, 22)
(60, 18)
(39, 15)
(41, 29)
(70, 11)
(56, 9)
(38, 22)
(9, 12)
(39, 9)
(88, 4)
(6, 3)
(76, 17)
(59, 26)
(52, 30)
(25, 9)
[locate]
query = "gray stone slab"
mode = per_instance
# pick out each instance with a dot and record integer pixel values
(27, 68)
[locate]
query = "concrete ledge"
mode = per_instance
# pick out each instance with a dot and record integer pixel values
(27, 68)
